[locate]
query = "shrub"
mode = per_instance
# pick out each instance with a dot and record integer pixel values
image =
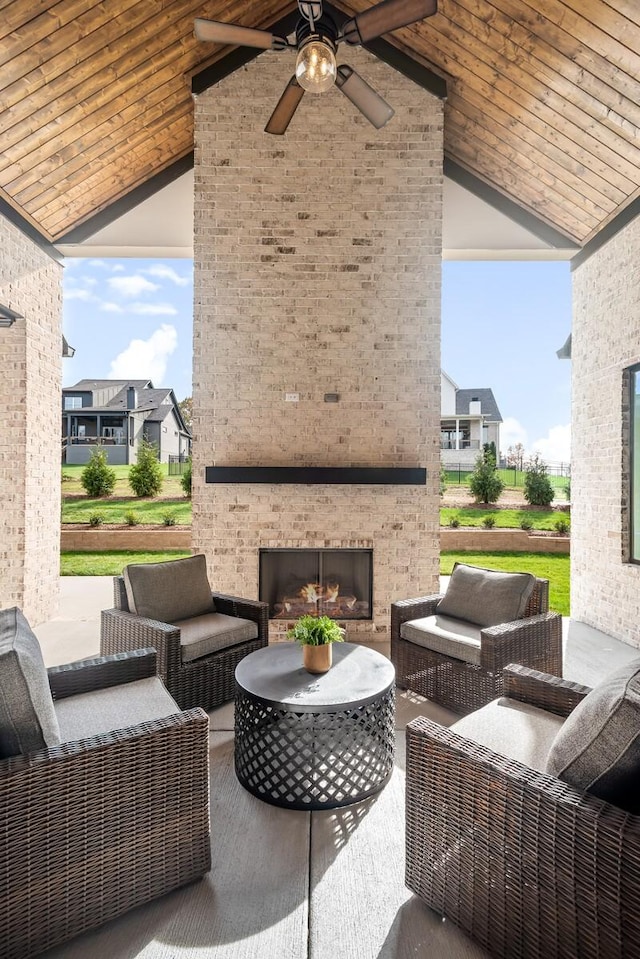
(489, 522)
(131, 518)
(484, 483)
(537, 486)
(454, 522)
(567, 490)
(185, 479)
(561, 525)
(526, 524)
(95, 519)
(145, 476)
(168, 519)
(97, 478)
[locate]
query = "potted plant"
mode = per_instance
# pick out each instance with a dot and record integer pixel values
(316, 634)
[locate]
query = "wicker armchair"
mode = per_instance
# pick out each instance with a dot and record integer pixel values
(522, 862)
(535, 641)
(96, 826)
(208, 681)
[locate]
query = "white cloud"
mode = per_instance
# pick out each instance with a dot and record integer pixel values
(107, 307)
(512, 432)
(556, 446)
(152, 309)
(77, 293)
(132, 285)
(146, 359)
(164, 272)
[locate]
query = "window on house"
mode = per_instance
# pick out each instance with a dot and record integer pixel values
(634, 462)
(73, 402)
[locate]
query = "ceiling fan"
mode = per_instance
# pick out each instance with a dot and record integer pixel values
(316, 41)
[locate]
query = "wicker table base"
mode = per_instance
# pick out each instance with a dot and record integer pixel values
(314, 742)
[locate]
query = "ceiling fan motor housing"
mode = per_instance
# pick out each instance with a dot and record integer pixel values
(324, 29)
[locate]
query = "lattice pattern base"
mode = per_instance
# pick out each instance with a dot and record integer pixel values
(314, 760)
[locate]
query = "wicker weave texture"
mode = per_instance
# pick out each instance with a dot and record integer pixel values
(95, 827)
(206, 682)
(525, 864)
(534, 641)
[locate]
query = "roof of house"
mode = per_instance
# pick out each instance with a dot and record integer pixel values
(488, 405)
(157, 403)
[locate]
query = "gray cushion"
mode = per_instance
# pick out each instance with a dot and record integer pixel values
(513, 729)
(27, 718)
(598, 748)
(178, 589)
(486, 596)
(451, 637)
(103, 710)
(211, 632)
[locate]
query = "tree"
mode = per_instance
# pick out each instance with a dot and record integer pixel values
(443, 480)
(186, 408)
(185, 479)
(515, 457)
(485, 484)
(538, 490)
(145, 477)
(97, 478)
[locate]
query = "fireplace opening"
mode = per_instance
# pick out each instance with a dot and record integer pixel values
(321, 582)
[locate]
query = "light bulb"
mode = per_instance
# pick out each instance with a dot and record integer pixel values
(316, 66)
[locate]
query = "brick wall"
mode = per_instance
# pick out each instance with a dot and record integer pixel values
(30, 383)
(317, 270)
(605, 588)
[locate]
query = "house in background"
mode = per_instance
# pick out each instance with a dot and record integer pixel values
(469, 419)
(117, 415)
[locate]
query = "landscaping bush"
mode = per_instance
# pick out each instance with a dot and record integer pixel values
(561, 525)
(145, 476)
(526, 525)
(484, 483)
(567, 490)
(489, 522)
(97, 478)
(95, 519)
(538, 490)
(454, 522)
(131, 518)
(185, 479)
(169, 519)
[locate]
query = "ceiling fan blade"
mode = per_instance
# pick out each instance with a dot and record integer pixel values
(213, 31)
(369, 103)
(386, 16)
(286, 107)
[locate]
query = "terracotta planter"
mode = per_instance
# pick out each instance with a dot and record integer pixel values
(317, 659)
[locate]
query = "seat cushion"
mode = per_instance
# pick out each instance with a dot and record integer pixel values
(104, 710)
(514, 729)
(168, 591)
(203, 635)
(27, 717)
(486, 597)
(451, 637)
(598, 748)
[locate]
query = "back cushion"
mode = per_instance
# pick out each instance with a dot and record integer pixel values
(27, 718)
(169, 591)
(485, 596)
(598, 746)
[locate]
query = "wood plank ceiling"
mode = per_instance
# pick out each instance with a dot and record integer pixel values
(543, 99)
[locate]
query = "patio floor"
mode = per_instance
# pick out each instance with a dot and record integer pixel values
(287, 884)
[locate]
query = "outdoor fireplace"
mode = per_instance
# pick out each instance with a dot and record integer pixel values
(323, 582)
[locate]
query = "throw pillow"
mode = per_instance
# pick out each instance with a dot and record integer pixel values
(598, 746)
(27, 718)
(178, 589)
(486, 597)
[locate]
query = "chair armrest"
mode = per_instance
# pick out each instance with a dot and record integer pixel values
(127, 631)
(252, 609)
(556, 695)
(536, 640)
(404, 610)
(87, 675)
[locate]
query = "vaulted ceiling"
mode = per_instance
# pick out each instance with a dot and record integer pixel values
(542, 100)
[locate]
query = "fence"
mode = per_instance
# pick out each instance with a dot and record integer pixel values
(458, 474)
(177, 464)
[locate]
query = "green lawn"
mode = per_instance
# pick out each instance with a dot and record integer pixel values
(513, 479)
(112, 562)
(551, 566)
(540, 518)
(113, 509)
(71, 481)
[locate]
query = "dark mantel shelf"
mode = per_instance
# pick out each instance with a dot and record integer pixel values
(321, 475)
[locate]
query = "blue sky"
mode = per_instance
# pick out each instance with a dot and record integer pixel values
(501, 326)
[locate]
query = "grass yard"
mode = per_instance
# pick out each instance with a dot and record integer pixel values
(71, 482)
(539, 518)
(114, 509)
(554, 567)
(112, 562)
(510, 478)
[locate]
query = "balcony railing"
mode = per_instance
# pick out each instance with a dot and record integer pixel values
(95, 441)
(462, 445)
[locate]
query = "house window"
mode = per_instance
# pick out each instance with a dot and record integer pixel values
(73, 402)
(634, 462)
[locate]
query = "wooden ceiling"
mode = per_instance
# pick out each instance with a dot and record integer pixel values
(543, 99)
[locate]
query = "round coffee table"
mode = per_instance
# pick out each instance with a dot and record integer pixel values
(314, 742)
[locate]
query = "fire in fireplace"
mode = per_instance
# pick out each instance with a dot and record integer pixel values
(323, 582)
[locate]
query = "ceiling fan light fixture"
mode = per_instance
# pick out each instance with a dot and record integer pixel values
(316, 68)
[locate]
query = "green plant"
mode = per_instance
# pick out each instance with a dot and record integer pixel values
(537, 487)
(526, 524)
(97, 478)
(95, 519)
(316, 631)
(454, 522)
(443, 480)
(131, 518)
(168, 519)
(561, 525)
(567, 490)
(145, 476)
(489, 522)
(484, 483)
(185, 479)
